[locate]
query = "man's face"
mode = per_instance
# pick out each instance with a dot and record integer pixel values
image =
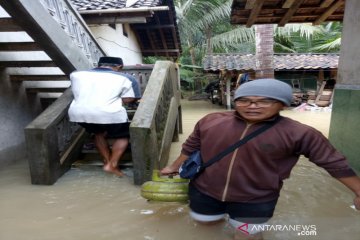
(257, 109)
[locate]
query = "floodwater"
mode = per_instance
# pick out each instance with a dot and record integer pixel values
(87, 203)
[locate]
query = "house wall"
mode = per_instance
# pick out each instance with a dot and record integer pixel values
(116, 44)
(306, 80)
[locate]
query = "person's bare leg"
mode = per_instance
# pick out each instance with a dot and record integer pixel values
(118, 148)
(102, 146)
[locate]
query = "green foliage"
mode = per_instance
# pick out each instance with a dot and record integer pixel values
(330, 41)
(205, 27)
(283, 44)
(305, 38)
(234, 37)
(153, 59)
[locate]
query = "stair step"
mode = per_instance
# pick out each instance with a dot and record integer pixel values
(19, 46)
(46, 102)
(9, 25)
(126, 167)
(44, 95)
(39, 77)
(89, 157)
(46, 86)
(98, 162)
(46, 89)
(29, 63)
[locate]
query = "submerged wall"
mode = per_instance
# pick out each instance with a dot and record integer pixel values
(17, 109)
(345, 124)
(345, 118)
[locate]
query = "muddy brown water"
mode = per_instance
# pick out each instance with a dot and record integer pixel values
(87, 203)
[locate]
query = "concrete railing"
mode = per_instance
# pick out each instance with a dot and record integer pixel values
(75, 27)
(156, 122)
(52, 142)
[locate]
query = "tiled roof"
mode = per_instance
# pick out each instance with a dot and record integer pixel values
(246, 62)
(81, 5)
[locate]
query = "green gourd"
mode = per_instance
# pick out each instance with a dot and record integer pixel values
(165, 189)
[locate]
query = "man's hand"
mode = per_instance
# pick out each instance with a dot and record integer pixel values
(173, 169)
(169, 170)
(357, 202)
(353, 183)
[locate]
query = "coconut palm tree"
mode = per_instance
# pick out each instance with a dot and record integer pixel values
(205, 28)
(193, 17)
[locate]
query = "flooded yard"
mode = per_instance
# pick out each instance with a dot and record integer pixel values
(87, 203)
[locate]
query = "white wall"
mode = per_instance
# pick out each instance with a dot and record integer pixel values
(115, 44)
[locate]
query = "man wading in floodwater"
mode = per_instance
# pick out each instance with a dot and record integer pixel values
(246, 183)
(98, 106)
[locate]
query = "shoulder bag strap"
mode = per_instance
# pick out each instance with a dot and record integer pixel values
(239, 143)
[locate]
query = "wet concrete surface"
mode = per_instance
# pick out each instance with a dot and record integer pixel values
(87, 203)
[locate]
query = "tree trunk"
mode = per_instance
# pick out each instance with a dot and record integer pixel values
(209, 49)
(191, 51)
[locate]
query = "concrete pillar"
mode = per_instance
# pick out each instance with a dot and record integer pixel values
(345, 120)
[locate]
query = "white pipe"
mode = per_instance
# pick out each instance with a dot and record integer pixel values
(228, 91)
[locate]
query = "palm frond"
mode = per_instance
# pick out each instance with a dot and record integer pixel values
(333, 45)
(304, 30)
(213, 16)
(235, 36)
(281, 48)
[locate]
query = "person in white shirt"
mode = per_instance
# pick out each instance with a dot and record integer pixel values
(99, 96)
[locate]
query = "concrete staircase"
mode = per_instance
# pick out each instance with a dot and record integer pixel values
(28, 66)
(40, 77)
(38, 48)
(41, 43)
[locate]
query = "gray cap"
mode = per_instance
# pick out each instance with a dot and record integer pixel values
(266, 87)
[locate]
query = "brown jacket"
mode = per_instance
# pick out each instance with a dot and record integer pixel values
(255, 171)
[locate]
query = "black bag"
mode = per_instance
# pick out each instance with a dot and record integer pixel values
(194, 165)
